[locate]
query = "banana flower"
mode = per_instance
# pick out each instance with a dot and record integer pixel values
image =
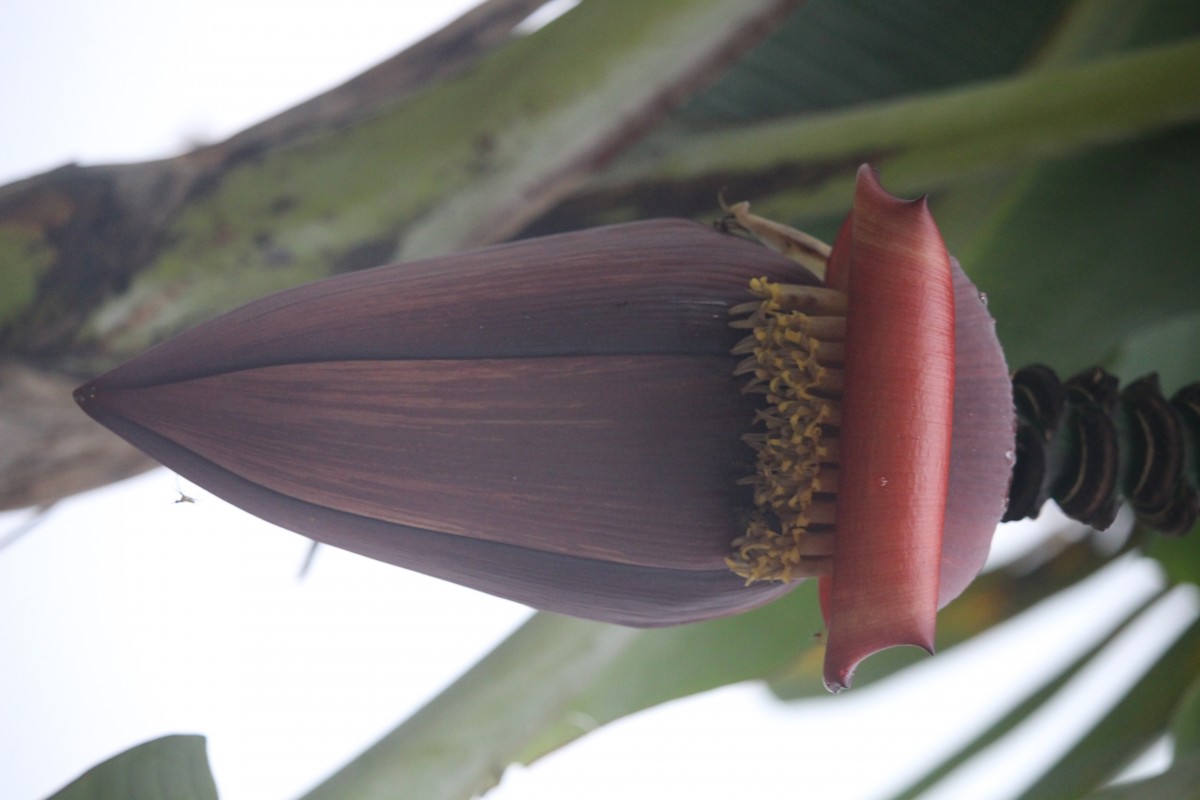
(558, 421)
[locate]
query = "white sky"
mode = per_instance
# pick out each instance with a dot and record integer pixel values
(125, 616)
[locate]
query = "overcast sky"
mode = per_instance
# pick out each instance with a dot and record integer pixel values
(125, 615)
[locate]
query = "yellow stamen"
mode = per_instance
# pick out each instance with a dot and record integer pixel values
(792, 356)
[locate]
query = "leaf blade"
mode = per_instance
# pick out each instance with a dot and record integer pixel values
(169, 768)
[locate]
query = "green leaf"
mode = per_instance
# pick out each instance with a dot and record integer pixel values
(170, 768)
(1136, 721)
(458, 745)
(1167, 346)
(1185, 727)
(923, 142)
(663, 665)
(1085, 252)
(839, 53)
(556, 104)
(1179, 557)
(833, 60)
(555, 679)
(1177, 783)
(1020, 712)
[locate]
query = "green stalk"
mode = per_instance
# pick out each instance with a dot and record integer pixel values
(937, 139)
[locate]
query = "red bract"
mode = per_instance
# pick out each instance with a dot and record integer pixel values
(556, 421)
(927, 444)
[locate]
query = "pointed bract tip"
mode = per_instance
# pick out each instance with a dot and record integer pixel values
(85, 394)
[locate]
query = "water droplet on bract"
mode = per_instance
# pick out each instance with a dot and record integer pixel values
(983, 298)
(883, 482)
(1010, 457)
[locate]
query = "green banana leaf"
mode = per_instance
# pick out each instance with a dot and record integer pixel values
(1019, 713)
(1177, 783)
(170, 768)
(556, 679)
(1185, 729)
(1140, 717)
